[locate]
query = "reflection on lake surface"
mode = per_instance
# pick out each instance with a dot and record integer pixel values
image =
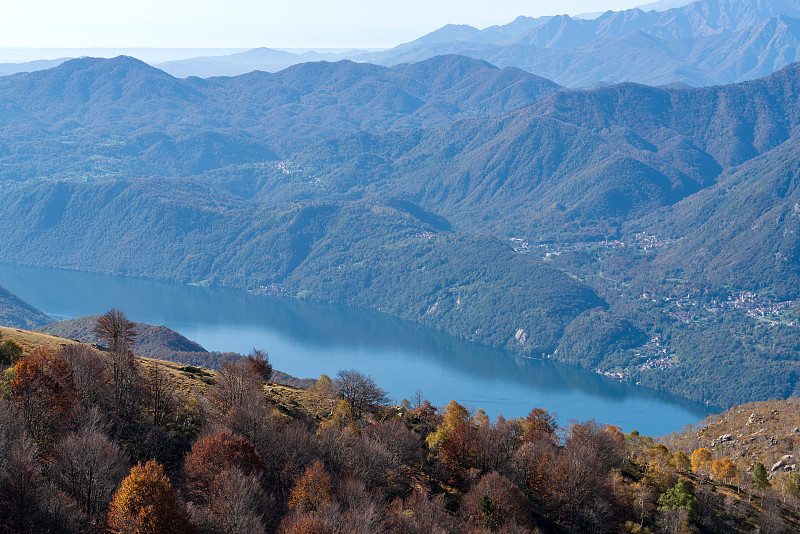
(307, 339)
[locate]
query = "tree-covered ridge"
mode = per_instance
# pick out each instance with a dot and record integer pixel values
(580, 161)
(17, 313)
(359, 253)
(121, 117)
(184, 449)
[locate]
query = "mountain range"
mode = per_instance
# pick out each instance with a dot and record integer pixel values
(398, 189)
(706, 42)
(108, 116)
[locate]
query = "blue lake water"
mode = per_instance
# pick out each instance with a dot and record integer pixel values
(307, 339)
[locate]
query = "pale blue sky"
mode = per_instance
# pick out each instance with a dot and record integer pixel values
(253, 23)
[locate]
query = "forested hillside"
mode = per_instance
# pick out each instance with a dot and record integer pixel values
(17, 313)
(94, 441)
(122, 117)
(364, 254)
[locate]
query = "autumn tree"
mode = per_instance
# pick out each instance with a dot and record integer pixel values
(43, 389)
(321, 396)
(723, 470)
(313, 490)
(681, 461)
(307, 524)
(701, 461)
(359, 391)
(538, 422)
(116, 331)
(214, 454)
(533, 461)
(258, 360)
(454, 415)
(146, 503)
(659, 464)
(459, 452)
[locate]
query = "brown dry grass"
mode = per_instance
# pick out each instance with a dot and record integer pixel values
(29, 340)
(191, 384)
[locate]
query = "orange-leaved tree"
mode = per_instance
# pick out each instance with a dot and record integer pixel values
(146, 503)
(214, 454)
(723, 470)
(44, 390)
(313, 491)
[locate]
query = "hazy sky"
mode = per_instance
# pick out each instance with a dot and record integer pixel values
(253, 23)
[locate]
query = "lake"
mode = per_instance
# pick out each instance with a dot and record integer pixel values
(307, 339)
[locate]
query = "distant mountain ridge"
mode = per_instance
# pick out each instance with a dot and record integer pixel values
(122, 116)
(703, 43)
(706, 42)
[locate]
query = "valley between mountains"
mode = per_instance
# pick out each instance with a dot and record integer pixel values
(645, 233)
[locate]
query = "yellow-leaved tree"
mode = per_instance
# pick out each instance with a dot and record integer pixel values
(146, 503)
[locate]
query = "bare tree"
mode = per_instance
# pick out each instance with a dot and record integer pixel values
(160, 392)
(88, 368)
(118, 333)
(115, 330)
(236, 504)
(359, 391)
(89, 467)
(235, 382)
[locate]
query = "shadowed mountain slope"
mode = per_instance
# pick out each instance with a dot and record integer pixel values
(17, 313)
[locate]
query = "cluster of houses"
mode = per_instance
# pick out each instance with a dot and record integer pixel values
(640, 241)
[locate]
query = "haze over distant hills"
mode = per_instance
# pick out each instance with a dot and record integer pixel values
(701, 43)
(705, 42)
